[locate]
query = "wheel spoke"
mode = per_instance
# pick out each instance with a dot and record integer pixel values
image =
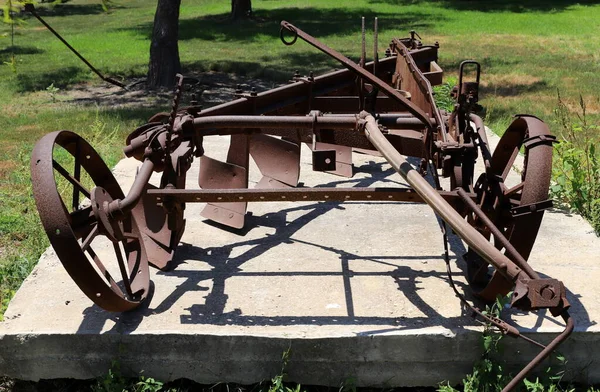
(123, 269)
(88, 240)
(77, 174)
(514, 189)
(115, 287)
(510, 163)
(81, 221)
(71, 179)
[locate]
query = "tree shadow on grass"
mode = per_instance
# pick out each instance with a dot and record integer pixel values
(136, 114)
(6, 53)
(452, 64)
(513, 89)
(516, 6)
(72, 9)
(61, 78)
(281, 71)
(317, 22)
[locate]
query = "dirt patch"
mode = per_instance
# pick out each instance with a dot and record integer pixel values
(510, 85)
(6, 167)
(510, 79)
(210, 88)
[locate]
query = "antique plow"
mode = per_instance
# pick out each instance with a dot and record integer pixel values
(383, 107)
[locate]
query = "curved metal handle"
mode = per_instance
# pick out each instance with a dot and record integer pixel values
(461, 71)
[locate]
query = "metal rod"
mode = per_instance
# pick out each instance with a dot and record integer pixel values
(275, 122)
(469, 234)
(283, 122)
(484, 145)
(544, 353)
(67, 176)
(293, 194)
(510, 249)
(30, 8)
(363, 50)
(361, 64)
(77, 175)
(386, 88)
(118, 208)
(375, 46)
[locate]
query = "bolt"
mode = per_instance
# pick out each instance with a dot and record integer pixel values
(547, 292)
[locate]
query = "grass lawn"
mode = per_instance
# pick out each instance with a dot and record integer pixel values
(528, 50)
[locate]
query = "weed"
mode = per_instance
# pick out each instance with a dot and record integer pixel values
(489, 374)
(277, 383)
(442, 94)
(12, 64)
(52, 90)
(148, 384)
(113, 381)
(576, 169)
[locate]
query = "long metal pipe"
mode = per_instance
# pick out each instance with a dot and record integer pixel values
(31, 9)
(464, 230)
(275, 122)
(307, 122)
(118, 208)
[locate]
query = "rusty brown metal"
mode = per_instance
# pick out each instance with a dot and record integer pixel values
(296, 194)
(72, 237)
(400, 118)
(497, 200)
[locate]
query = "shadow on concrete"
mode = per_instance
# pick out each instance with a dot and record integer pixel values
(224, 266)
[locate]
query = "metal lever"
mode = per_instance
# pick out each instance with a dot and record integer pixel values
(383, 86)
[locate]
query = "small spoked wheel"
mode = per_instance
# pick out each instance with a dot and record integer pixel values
(73, 187)
(512, 203)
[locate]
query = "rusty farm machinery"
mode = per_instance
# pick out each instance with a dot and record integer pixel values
(383, 107)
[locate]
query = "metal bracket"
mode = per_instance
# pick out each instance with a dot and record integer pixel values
(531, 208)
(323, 160)
(547, 140)
(531, 294)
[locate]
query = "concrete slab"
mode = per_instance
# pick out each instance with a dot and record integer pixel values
(355, 290)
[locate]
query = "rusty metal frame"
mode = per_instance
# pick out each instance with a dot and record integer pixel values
(498, 223)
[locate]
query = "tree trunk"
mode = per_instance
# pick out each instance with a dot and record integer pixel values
(241, 9)
(164, 51)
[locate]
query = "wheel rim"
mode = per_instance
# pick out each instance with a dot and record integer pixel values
(74, 231)
(497, 199)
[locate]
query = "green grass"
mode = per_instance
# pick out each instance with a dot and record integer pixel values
(528, 50)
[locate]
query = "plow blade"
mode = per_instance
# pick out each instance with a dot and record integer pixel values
(215, 174)
(278, 161)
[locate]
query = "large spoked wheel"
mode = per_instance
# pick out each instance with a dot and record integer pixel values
(512, 203)
(72, 187)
